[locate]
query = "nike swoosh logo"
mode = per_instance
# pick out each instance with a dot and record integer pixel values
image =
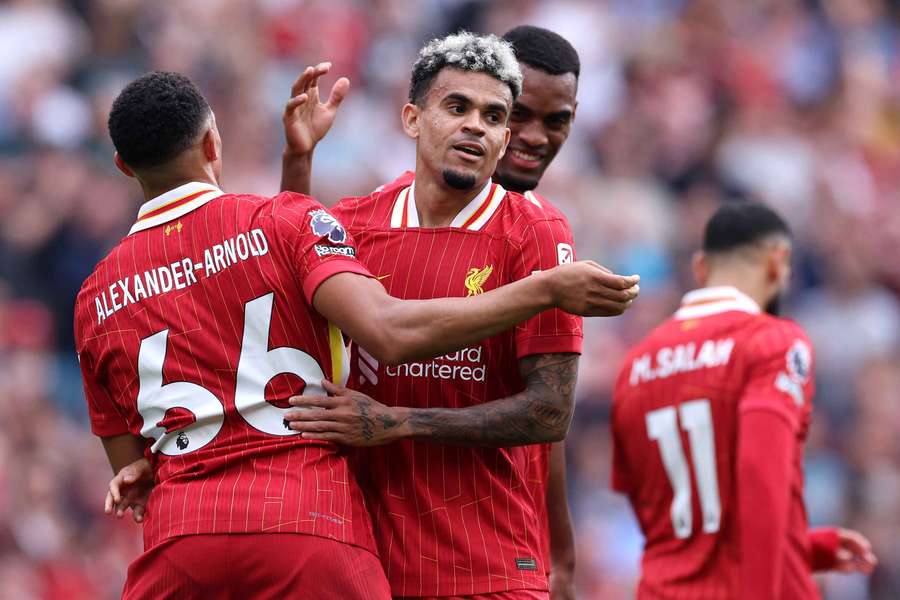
(380, 277)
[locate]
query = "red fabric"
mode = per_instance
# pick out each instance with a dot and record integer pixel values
(707, 561)
(823, 548)
(260, 566)
(454, 520)
(764, 460)
(245, 478)
(511, 595)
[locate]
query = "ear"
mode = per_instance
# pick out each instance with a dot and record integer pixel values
(410, 118)
(778, 264)
(120, 164)
(700, 267)
(211, 144)
(574, 112)
(506, 137)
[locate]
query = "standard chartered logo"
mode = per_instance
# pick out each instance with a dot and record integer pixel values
(464, 365)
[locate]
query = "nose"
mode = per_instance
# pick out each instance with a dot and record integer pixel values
(472, 124)
(532, 134)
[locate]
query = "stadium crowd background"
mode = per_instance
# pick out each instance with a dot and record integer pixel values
(683, 104)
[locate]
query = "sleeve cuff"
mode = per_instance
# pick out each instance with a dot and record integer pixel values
(549, 345)
(326, 269)
(823, 547)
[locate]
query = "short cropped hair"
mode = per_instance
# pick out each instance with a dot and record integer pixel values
(738, 224)
(155, 118)
(468, 52)
(544, 50)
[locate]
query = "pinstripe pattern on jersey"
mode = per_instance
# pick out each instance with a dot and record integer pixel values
(705, 565)
(453, 520)
(245, 480)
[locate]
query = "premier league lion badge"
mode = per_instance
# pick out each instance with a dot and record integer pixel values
(799, 362)
(324, 225)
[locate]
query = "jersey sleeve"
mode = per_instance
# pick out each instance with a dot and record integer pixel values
(546, 244)
(315, 244)
(106, 420)
(779, 379)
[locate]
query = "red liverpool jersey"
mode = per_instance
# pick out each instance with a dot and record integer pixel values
(676, 408)
(193, 333)
(452, 520)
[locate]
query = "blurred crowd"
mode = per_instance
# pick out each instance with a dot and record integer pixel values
(683, 104)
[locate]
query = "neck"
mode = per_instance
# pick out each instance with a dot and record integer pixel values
(157, 184)
(438, 203)
(746, 281)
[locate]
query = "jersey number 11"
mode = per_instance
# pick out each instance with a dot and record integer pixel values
(696, 420)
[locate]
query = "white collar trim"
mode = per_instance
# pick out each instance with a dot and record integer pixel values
(708, 301)
(154, 212)
(485, 202)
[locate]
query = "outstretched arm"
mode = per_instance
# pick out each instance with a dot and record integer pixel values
(396, 331)
(540, 413)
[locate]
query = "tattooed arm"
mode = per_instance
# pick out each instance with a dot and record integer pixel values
(540, 413)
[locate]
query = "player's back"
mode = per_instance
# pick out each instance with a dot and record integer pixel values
(449, 519)
(193, 333)
(676, 411)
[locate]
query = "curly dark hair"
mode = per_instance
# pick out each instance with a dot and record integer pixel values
(155, 118)
(544, 50)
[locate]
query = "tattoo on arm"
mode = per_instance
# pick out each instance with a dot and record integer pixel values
(368, 426)
(540, 413)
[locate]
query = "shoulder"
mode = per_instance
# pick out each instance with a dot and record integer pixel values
(525, 216)
(770, 336)
(372, 208)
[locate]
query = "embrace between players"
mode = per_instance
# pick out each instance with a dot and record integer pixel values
(460, 490)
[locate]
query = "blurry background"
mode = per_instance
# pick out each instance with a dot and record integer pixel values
(683, 105)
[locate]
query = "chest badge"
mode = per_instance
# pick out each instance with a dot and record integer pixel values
(475, 279)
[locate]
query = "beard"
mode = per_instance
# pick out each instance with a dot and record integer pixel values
(774, 306)
(459, 181)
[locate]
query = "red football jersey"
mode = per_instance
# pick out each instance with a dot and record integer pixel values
(452, 520)
(193, 333)
(675, 426)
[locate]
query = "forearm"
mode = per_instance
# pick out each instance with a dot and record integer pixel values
(562, 537)
(122, 450)
(296, 173)
(427, 328)
(540, 413)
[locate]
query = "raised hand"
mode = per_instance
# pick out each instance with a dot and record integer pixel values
(588, 289)
(130, 488)
(307, 119)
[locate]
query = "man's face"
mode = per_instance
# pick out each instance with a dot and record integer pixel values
(461, 129)
(540, 123)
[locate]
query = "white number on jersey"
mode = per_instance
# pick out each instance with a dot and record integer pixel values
(696, 419)
(257, 365)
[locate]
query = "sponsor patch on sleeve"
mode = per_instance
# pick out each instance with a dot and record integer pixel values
(325, 225)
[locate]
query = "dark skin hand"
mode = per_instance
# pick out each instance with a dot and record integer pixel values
(540, 413)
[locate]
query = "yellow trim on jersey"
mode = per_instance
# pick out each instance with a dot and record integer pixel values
(338, 354)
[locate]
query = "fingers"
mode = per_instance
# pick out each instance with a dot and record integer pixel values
(325, 437)
(334, 390)
(294, 103)
(108, 503)
(319, 426)
(308, 414)
(137, 513)
(314, 401)
(338, 92)
(309, 78)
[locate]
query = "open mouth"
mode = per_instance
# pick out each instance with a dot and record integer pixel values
(525, 156)
(470, 149)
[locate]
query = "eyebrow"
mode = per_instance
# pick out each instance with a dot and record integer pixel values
(497, 106)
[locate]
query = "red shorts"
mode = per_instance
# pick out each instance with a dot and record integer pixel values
(508, 595)
(259, 566)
